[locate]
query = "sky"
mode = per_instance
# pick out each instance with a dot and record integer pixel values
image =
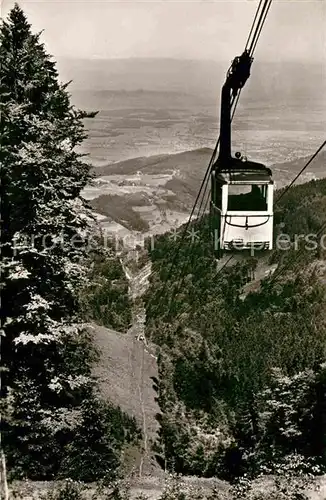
(295, 30)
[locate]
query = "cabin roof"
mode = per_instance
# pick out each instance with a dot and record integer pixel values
(237, 170)
(242, 177)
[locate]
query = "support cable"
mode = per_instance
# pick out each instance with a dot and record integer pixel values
(264, 10)
(286, 190)
(301, 172)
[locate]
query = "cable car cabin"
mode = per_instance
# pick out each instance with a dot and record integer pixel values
(242, 206)
(242, 191)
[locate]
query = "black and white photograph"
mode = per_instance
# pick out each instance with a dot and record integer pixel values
(163, 249)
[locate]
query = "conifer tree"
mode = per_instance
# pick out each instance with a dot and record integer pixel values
(45, 224)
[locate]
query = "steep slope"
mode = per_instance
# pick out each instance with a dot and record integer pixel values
(191, 328)
(227, 346)
(124, 373)
(125, 370)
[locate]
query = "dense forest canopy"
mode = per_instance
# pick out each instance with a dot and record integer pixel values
(227, 355)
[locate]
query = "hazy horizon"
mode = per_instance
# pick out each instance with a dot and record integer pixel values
(189, 76)
(190, 59)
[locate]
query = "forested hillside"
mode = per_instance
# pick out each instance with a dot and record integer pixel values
(54, 424)
(242, 376)
(104, 297)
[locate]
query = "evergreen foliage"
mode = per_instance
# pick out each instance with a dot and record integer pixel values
(105, 297)
(47, 388)
(221, 350)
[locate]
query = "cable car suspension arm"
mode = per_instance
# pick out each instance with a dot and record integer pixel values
(236, 78)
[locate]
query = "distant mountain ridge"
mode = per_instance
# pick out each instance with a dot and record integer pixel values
(188, 75)
(179, 192)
